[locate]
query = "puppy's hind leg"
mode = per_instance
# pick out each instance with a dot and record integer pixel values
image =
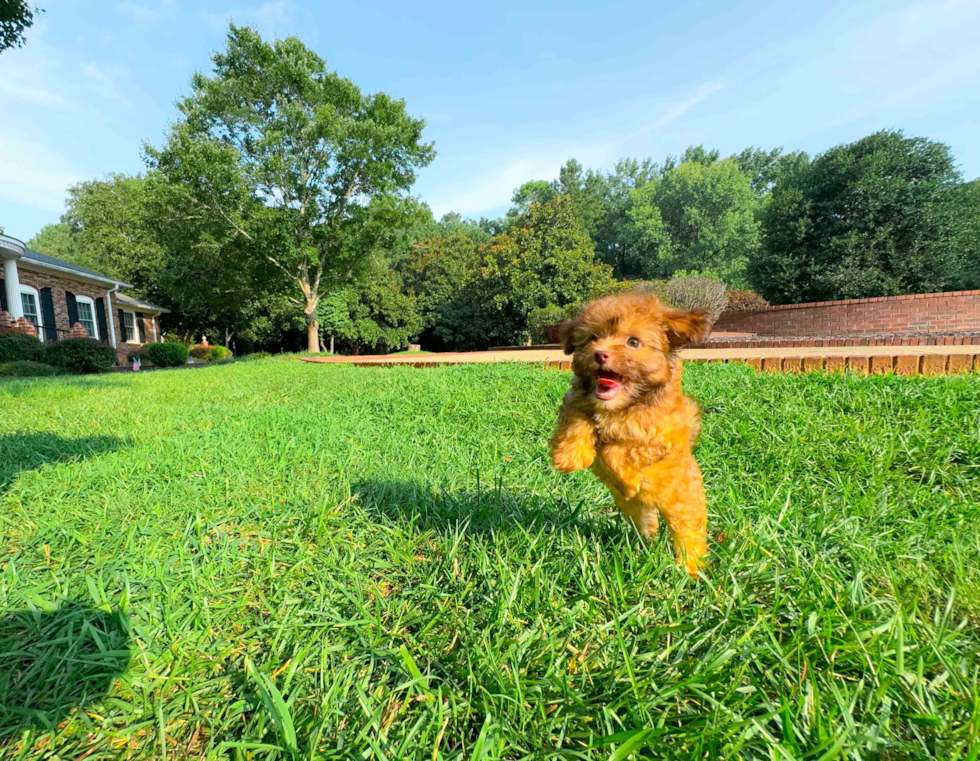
(646, 518)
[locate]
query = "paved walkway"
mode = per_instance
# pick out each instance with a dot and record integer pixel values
(556, 355)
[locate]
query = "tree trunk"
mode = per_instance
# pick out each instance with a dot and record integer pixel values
(227, 338)
(312, 333)
(331, 344)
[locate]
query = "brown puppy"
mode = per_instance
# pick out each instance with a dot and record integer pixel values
(626, 418)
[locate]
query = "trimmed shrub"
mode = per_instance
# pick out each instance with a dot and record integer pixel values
(26, 368)
(739, 301)
(80, 355)
(701, 293)
(201, 352)
(17, 347)
(168, 354)
(539, 320)
(257, 355)
(218, 352)
(656, 287)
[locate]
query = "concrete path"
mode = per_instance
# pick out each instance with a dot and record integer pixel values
(556, 355)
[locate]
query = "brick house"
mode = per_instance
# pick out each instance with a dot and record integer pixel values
(56, 300)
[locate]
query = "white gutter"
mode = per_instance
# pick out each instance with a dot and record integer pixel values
(112, 324)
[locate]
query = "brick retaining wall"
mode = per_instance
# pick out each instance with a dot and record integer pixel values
(953, 312)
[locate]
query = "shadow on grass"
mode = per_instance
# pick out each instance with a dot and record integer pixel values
(30, 451)
(53, 662)
(478, 511)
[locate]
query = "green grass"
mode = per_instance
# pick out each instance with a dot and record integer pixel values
(282, 560)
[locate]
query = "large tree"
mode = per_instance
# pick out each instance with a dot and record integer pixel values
(153, 234)
(274, 125)
(544, 259)
(53, 240)
(701, 215)
(876, 217)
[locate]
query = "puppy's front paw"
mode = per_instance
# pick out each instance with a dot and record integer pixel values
(572, 456)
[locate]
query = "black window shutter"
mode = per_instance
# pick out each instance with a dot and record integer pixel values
(3, 296)
(100, 318)
(142, 328)
(122, 327)
(47, 315)
(72, 309)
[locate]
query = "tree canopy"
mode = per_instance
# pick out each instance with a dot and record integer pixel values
(273, 128)
(700, 216)
(871, 218)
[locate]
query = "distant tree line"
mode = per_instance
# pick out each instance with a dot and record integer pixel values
(277, 215)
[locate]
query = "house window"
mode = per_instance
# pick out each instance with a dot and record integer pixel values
(130, 335)
(86, 315)
(31, 303)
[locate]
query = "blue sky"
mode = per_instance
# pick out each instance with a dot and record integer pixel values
(510, 90)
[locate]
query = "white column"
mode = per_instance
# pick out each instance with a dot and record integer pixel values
(109, 311)
(153, 323)
(12, 283)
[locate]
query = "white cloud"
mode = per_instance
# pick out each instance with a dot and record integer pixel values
(676, 111)
(491, 188)
(494, 186)
(103, 82)
(33, 174)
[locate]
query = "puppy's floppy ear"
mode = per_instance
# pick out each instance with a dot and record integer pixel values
(686, 327)
(566, 335)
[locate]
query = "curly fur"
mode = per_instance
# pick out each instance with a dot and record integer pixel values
(638, 442)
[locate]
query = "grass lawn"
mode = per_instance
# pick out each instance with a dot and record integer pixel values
(275, 559)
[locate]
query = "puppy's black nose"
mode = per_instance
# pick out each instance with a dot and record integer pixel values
(602, 357)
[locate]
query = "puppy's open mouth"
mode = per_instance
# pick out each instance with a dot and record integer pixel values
(607, 384)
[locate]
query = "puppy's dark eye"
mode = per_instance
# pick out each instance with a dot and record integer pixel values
(633, 343)
(593, 338)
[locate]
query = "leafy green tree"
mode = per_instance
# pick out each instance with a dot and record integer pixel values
(528, 194)
(587, 191)
(436, 269)
(764, 168)
(274, 125)
(967, 231)
(876, 217)
(53, 240)
(452, 224)
(614, 242)
(374, 313)
(544, 259)
(16, 16)
(151, 233)
(693, 154)
(699, 216)
(110, 227)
